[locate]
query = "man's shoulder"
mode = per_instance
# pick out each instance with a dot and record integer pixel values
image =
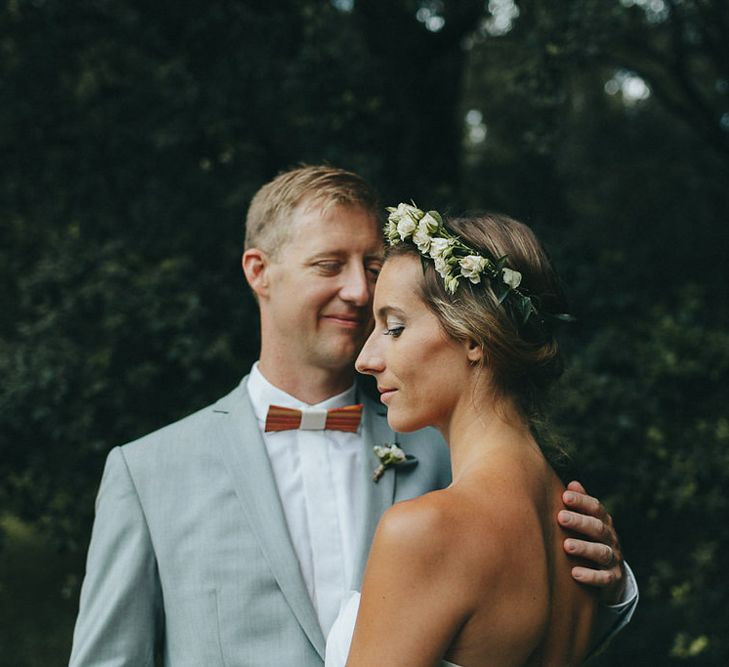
(192, 430)
(428, 445)
(429, 436)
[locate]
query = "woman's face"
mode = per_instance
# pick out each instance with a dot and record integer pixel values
(421, 372)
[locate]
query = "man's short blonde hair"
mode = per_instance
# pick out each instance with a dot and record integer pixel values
(268, 223)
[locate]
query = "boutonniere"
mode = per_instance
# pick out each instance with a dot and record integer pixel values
(389, 455)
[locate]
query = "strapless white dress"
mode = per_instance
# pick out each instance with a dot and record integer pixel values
(340, 636)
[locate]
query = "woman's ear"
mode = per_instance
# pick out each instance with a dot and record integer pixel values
(474, 351)
(255, 265)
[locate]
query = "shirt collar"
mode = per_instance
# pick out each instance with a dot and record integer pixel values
(263, 394)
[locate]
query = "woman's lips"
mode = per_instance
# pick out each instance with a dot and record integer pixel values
(385, 393)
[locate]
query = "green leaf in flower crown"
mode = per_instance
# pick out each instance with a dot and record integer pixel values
(436, 215)
(524, 306)
(501, 263)
(564, 317)
(501, 290)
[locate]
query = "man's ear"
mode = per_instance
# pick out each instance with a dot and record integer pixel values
(474, 351)
(255, 265)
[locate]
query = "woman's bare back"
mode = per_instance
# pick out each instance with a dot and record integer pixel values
(527, 609)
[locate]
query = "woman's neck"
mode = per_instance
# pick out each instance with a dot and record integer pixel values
(478, 428)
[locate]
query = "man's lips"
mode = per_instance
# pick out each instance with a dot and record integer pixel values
(345, 320)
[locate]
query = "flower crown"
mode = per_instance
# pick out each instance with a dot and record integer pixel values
(455, 260)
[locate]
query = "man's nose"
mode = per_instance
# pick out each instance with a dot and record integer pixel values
(356, 289)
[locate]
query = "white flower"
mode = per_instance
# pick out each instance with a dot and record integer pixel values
(429, 223)
(406, 226)
(511, 278)
(412, 211)
(404, 211)
(439, 247)
(472, 267)
(389, 455)
(442, 267)
(392, 233)
(421, 238)
(451, 284)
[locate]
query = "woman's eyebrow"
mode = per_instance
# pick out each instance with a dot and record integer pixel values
(384, 311)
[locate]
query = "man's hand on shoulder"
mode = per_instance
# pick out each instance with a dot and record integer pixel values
(597, 543)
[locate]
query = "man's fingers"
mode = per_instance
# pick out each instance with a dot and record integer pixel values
(585, 504)
(599, 578)
(574, 485)
(602, 568)
(600, 554)
(589, 526)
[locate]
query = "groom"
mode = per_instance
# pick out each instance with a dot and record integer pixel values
(229, 539)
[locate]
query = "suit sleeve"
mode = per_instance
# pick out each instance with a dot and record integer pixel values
(611, 619)
(119, 618)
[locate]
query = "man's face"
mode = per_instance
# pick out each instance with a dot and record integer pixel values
(319, 304)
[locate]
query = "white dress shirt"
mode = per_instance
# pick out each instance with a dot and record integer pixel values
(319, 480)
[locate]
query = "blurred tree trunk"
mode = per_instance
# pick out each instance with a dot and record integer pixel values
(420, 76)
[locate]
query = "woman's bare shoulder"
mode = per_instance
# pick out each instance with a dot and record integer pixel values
(412, 573)
(440, 527)
(436, 515)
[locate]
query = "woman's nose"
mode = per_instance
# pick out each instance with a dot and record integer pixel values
(369, 361)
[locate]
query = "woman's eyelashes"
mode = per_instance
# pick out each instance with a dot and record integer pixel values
(394, 330)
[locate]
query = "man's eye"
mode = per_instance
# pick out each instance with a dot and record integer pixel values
(374, 271)
(394, 331)
(328, 267)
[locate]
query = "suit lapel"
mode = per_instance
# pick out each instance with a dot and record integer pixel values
(254, 483)
(378, 496)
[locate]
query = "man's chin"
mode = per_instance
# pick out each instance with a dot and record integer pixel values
(343, 355)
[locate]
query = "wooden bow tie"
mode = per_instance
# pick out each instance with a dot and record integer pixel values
(314, 419)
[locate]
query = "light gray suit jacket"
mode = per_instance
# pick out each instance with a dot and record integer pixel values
(190, 549)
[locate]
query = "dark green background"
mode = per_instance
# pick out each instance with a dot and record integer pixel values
(133, 135)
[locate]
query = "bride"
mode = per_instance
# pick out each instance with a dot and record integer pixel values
(474, 574)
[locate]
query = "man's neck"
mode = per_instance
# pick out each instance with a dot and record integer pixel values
(309, 385)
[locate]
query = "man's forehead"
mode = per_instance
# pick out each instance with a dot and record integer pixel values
(335, 223)
(315, 204)
(320, 207)
(339, 243)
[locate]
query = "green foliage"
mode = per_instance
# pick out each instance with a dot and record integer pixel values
(38, 599)
(100, 330)
(646, 406)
